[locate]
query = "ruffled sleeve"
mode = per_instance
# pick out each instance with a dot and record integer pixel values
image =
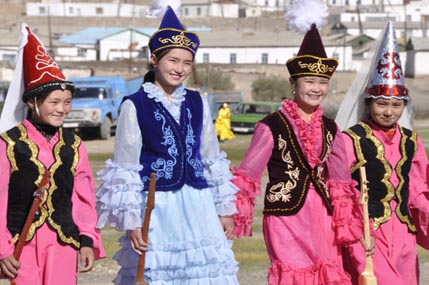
(348, 213)
(120, 193)
(419, 194)
(83, 199)
(6, 242)
(216, 167)
(248, 177)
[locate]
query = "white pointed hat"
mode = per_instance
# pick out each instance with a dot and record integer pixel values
(388, 78)
(380, 76)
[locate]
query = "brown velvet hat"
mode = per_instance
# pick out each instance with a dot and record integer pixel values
(311, 59)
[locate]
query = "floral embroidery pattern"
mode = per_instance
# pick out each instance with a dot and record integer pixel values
(190, 141)
(282, 191)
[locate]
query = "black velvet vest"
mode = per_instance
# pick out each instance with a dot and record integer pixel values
(369, 151)
(289, 173)
(26, 173)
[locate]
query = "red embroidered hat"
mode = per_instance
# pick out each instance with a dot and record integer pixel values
(388, 79)
(311, 59)
(41, 73)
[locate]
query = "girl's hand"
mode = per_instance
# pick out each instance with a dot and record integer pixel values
(86, 259)
(137, 242)
(9, 266)
(228, 226)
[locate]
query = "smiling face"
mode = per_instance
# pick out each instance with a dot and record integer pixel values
(172, 68)
(309, 92)
(53, 109)
(386, 112)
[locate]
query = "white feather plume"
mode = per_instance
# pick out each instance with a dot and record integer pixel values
(304, 13)
(160, 6)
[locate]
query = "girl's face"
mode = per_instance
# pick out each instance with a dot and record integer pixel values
(53, 109)
(172, 69)
(386, 112)
(309, 91)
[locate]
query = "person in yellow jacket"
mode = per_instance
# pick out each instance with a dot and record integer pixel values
(223, 123)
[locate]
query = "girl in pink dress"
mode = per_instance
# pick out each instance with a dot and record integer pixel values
(311, 207)
(396, 165)
(65, 222)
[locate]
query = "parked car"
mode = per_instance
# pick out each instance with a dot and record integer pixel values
(246, 115)
(217, 98)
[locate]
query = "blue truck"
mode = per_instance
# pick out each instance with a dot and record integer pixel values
(95, 107)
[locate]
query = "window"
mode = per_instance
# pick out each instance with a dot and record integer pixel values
(186, 12)
(264, 58)
(206, 58)
(71, 10)
(9, 57)
(81, 51)
(199, 11)
(99, 11)
(233, 58)
(42, 10)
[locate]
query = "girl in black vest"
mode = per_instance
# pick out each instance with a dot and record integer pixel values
(396, 165)
(64, 226)
(310, 204)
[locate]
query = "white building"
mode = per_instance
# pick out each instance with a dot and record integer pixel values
(417, 57)
(77, 9)
(261, 47)
(107, 44)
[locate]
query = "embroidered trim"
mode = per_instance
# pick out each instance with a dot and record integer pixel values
(10, 153)
(164, 168)
(190, 141)
(316, 67)
(58, 162)
(280, 190)
(179, 39)
(398, 168)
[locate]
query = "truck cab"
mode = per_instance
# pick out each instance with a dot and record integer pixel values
(96, 101)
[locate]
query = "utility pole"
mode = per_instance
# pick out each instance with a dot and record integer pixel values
(359, 18)
(51, 50)
(405, 21)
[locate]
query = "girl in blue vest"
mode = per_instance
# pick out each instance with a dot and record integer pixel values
(167, 129)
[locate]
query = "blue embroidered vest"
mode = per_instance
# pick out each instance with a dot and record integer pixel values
(26, 173)
(169, 149)
(369, 151)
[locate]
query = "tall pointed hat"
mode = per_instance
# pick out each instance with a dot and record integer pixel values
(42, 74)
(388, 78)
(380, 76)
(36, 74)
(172, 34)
(311, 59)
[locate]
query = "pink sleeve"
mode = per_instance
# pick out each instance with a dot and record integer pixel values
(6, 242)
(348, 214)
(419, 194)
(84, 203)
(247, 177)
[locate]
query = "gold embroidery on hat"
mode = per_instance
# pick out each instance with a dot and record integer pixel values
(317, 67)
(180, 39)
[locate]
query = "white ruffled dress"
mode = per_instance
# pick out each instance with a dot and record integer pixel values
(187, 242)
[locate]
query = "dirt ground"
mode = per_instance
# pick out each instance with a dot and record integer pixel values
(105, 270)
